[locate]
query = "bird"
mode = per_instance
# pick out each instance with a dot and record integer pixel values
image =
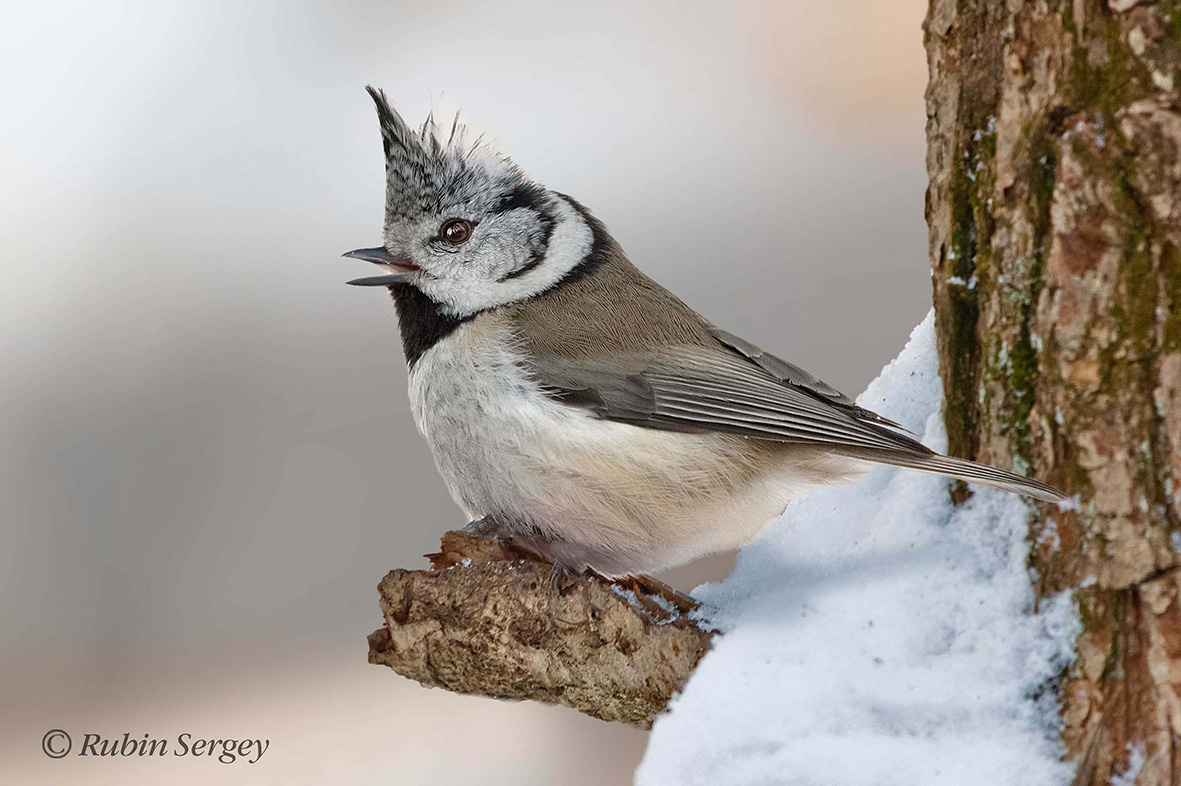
(574, 406)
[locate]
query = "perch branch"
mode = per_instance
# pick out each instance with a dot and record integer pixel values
(492, 620)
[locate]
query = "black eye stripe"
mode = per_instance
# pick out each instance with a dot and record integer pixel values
(524, 195)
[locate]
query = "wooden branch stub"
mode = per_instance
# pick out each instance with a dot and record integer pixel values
(492, 620)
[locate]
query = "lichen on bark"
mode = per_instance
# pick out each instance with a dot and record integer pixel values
(1054, 144)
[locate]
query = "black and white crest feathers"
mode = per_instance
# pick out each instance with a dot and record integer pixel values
(433, 168)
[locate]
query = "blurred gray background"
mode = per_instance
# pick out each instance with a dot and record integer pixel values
(206, 455)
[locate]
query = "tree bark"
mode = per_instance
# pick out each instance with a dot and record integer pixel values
(495, 621)
(1054, 208)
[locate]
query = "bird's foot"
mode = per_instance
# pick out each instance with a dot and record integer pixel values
(648, 588)
(486, 527)
(561, 578)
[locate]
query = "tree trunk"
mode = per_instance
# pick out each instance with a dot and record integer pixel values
(1054, 207)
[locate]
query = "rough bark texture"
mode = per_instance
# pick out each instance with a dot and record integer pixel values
(491, 620)
(1054, 155)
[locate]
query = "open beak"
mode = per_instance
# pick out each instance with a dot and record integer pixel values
(401, 268)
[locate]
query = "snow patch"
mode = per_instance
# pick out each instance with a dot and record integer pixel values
(1136, 759)
(877, 634)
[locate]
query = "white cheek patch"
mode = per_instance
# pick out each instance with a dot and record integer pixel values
(569, 244)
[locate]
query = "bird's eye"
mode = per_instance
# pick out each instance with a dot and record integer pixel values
(456, 231)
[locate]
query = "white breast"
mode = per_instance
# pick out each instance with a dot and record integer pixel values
(474, 405)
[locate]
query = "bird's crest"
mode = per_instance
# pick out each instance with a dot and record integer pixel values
(437, 165)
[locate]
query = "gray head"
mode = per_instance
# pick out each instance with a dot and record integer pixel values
(463, 224)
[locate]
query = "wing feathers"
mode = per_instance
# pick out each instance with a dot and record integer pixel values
(787, 427)
(794, 375)
(699, 388)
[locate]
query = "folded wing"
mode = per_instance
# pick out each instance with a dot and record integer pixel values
(730, 389)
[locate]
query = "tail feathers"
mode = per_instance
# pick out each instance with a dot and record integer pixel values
(960, 469)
